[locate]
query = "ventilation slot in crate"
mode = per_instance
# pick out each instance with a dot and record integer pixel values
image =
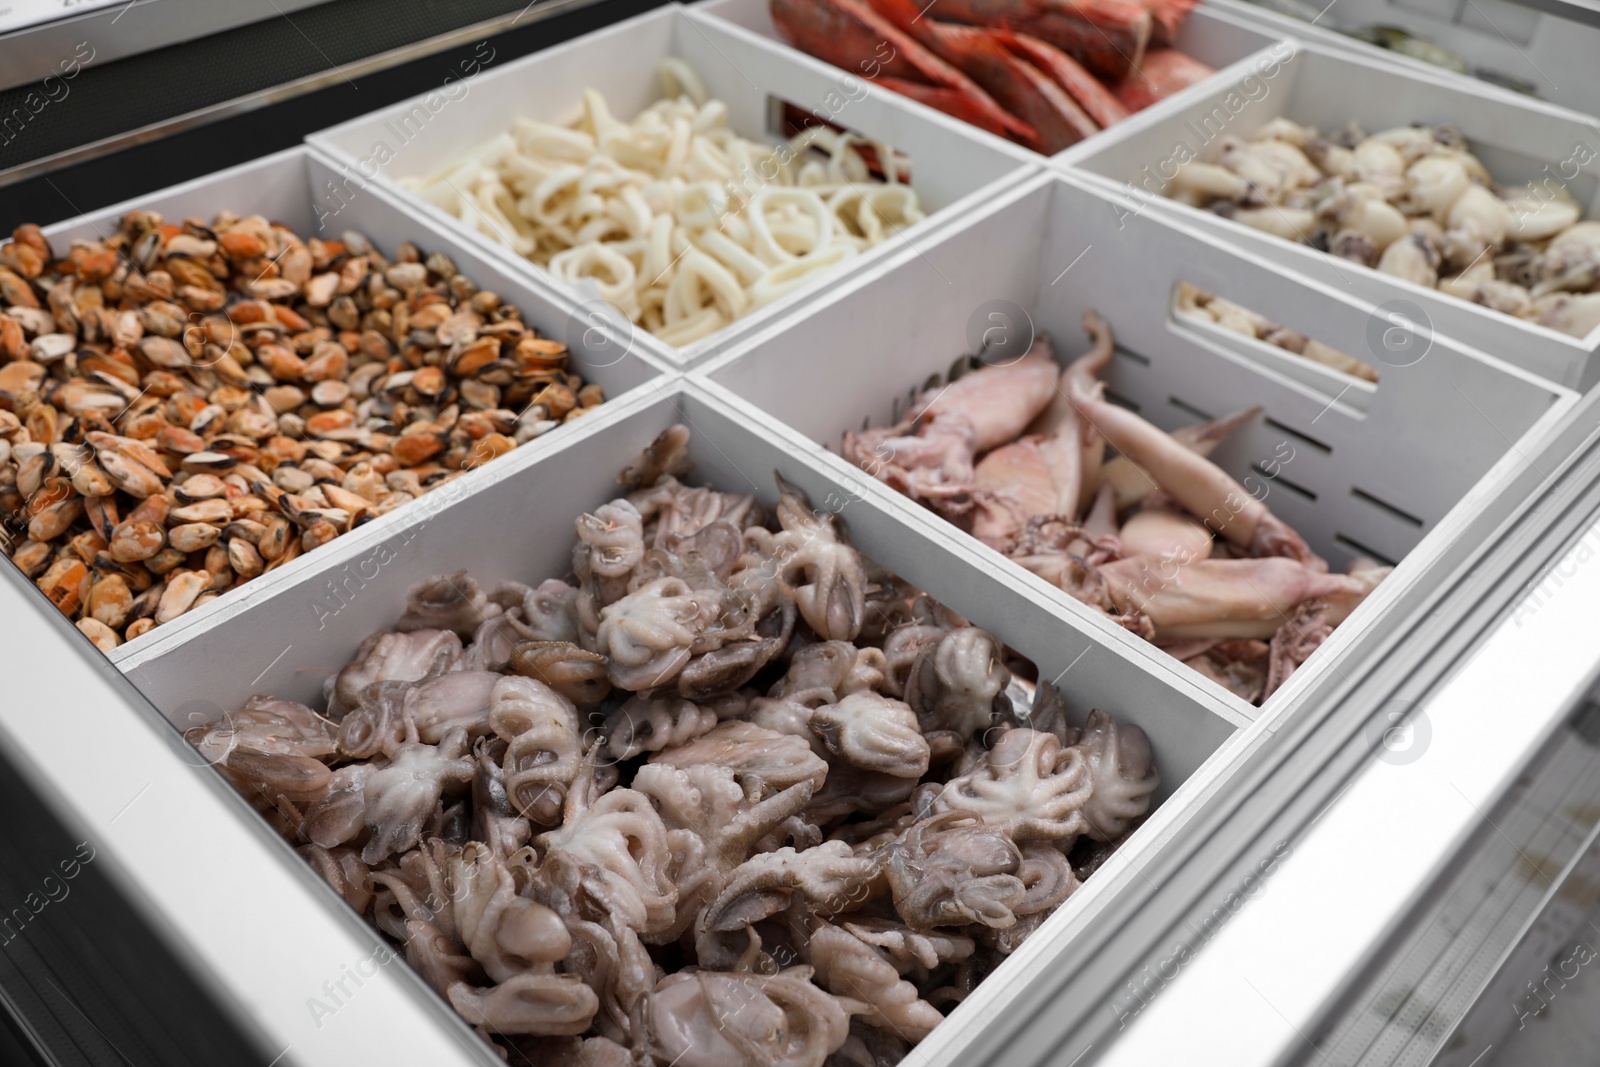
(1386, 508)
(1121, 401)
(1274, 476)
(1190, 410)
(1298, 435)
(1356, 548)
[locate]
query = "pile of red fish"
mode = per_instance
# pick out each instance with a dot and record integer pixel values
(1045, 73)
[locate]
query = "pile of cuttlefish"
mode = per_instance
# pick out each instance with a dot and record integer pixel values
(1155, 536)
(730, 794)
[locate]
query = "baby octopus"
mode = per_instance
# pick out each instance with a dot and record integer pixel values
(726, 795)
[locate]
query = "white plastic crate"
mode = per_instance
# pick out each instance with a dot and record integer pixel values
(1518, 139)
(517, 524)
(1389, 471)
(953, 167)
(289, 187)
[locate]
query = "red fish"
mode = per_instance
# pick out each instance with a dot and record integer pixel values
(1168, 16)
(961, 105)
(1019, 86)
(851, 35)
(1164, 71)
(1068, 73)
(1107, 36)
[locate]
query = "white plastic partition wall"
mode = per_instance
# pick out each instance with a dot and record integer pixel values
(1436, 787)
(517, 524)
(263, 934)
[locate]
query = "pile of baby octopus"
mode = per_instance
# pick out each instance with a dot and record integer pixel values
(1137, 523)
(1413, 202)
(185, 406)
(732, 795)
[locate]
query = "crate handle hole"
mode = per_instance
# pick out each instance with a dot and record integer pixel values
(1242, 333)
(1275, 477)
(1197, 414)
(787, 120)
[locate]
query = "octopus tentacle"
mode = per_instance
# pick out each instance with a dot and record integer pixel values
(549, 1004)
(1027, 785)
(1121, 768)
(401, 795)
(447, 602)
(868, 985)
(544, 748)
(708, 1019)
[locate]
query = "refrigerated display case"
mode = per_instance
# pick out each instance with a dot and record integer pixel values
(1389, 859)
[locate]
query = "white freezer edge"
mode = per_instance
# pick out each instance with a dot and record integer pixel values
(1249, 999)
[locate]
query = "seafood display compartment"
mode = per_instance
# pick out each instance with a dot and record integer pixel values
(953, 167)
(1518, 140)
(517, 525)
(1218, 38)
(1382, 471)
(290, 187)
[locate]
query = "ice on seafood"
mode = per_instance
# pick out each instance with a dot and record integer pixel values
(1130, 520)
(806, 866)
